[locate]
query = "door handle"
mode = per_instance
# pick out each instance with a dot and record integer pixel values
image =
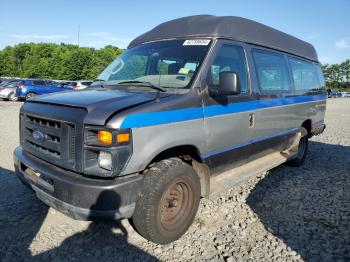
(251, 120)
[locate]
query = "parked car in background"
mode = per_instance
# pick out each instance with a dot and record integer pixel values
(345, 94)
(8, 90)
(333, 93)
(80, 84)
(66, 83)
(4, 81)
(28, 88)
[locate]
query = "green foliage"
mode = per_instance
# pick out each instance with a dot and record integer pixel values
(337, 76)
(55, 61)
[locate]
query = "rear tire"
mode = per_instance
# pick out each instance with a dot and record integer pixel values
(30, 95)
(12, 97)
(169, 201)
(302, 153)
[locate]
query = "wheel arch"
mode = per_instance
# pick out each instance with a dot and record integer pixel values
(307, 124)
(191, 155)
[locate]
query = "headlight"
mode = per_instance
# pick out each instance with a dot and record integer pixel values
(106, 151)
(105, 160)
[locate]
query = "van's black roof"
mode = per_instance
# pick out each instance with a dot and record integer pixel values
(232, 27)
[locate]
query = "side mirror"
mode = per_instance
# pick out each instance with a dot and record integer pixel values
(229, 85)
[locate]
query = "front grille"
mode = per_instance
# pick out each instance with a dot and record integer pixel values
(51, 140)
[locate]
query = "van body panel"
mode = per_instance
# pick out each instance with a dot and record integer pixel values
(297, 114)
(155, 132)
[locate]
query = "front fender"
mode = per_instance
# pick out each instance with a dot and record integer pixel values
(148, 142)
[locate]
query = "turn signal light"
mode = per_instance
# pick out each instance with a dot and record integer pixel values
(123, 138)
(105, 137)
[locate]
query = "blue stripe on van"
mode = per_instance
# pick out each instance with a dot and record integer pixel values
(178, 115)
(222, 150)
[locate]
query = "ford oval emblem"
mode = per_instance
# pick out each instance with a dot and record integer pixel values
(38, 136)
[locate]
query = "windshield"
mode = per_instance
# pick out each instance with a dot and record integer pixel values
(164, 64)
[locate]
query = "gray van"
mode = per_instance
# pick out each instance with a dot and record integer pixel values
(191, 108)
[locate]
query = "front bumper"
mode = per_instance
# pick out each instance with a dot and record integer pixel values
(79, 197)
(318, 128)
(21, 94)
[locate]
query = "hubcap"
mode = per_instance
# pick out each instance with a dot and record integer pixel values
(13, 97)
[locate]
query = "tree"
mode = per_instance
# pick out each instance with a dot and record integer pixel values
(337, 75)
(346, 70)
(55, 61)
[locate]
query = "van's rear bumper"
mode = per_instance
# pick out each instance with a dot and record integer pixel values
(82, 198)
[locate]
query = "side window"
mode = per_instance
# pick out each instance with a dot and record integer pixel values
(272, 72)
(320, 77)
(229, 58)
(86, 83)
(305, 75)
(53, 84)
(38, 82)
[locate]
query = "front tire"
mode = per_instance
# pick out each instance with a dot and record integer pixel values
(169, 201)
(302, 153)
(30, 95)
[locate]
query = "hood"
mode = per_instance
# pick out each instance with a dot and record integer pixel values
(100, 103)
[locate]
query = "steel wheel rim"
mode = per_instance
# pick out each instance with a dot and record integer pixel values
(175, 205)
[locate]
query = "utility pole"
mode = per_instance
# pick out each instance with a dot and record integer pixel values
(78, 34)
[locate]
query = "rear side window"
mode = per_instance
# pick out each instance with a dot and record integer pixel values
(11, 84)
(38, 82)
(305, 75)
(272, 71)
(229, 58)
(320, 77)
(52, 83)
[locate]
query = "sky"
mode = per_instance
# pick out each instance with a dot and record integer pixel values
(325, 24)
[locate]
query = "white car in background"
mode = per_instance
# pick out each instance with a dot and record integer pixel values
(81, 84)
(345, 94)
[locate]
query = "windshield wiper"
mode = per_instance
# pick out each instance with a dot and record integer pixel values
(145, 83)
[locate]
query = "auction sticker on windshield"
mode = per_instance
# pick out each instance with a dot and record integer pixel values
(197, 42)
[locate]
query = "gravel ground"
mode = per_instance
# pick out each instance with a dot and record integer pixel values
(288, 214)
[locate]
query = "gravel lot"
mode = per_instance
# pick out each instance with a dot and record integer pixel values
(289, 214)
